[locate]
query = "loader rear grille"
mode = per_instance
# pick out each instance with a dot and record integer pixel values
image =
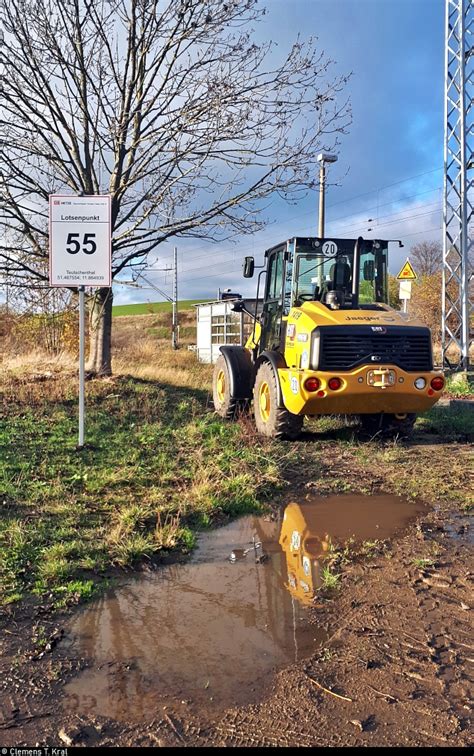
(347, 347)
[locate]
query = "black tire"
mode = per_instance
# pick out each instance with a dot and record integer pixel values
(271, 420)
(225, 404)
(384, 425)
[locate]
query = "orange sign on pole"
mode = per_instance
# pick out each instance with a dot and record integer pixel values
(407, 273)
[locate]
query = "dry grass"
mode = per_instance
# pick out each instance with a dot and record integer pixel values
(137, 352)
(140, 353)
(35, 362)
(155, 360)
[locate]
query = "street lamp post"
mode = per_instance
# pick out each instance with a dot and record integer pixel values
(323, 158)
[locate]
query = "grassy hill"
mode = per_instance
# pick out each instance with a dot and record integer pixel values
(147, 308)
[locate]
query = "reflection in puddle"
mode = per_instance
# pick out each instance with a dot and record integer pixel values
(309, 528)
(209, 629)
(303, 549)
(215, 629)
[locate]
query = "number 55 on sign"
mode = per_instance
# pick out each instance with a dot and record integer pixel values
(79, 240)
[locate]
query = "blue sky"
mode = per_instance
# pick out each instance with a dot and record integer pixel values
(390, 164)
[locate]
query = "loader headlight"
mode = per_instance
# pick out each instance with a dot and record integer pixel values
(315, 345)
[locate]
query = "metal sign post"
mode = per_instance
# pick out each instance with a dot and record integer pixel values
(405, 294)
(82, 338)
(80, 256)
(406, 276)
(174, 337)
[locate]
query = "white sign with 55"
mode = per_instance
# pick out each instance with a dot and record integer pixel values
(79, 240)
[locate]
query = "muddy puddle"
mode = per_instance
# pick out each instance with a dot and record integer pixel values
(213, 631)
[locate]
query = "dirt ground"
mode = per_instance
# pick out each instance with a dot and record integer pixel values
(397, 668)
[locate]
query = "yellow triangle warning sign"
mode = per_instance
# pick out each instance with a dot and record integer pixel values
(407, 273)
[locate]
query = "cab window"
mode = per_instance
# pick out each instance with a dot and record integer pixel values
(275, 276)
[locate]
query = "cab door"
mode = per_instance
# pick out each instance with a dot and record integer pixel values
(271, 319)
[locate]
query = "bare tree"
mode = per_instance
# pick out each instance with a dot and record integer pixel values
(168, 105)
(427, 257)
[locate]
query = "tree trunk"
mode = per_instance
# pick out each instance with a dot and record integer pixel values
(100, 333)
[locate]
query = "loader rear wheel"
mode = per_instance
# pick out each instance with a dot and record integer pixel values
(271, 420)
(225, 404)
(387, 425)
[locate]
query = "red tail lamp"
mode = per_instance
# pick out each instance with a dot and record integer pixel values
(437, 383)
(312, 384)
(334, 384)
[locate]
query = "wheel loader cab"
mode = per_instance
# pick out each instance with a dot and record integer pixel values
(327, 343)
(338, 273)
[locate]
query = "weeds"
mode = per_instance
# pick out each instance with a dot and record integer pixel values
(423, 562)
(371, 549)
(459, 386)
(327, 655)
(330, 580)
(340, 555)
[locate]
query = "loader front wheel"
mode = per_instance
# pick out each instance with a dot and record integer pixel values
(225, 404)
(271, 420)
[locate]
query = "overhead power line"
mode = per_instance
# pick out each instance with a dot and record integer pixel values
(191, 250)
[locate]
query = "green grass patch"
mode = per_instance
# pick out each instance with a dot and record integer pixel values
(452, 423)
(158, 465)
(146, 308)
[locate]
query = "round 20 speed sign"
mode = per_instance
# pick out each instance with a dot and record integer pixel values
(79, 240)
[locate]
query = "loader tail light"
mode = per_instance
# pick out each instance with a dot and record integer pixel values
(334, 384)
(437, 383)
(312, 384)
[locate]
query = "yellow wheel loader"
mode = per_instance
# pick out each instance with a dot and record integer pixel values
(327, 342)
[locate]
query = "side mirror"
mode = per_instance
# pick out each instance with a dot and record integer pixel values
(249, 267)
(369, 270)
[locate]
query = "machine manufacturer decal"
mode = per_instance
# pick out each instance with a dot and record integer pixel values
(290, 331)
(302, 337)
(365, 318)
(379, 329)
(294, 384)
(295, 541)
(306, 565)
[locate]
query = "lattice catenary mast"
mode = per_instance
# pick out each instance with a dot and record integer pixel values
(458, 167)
